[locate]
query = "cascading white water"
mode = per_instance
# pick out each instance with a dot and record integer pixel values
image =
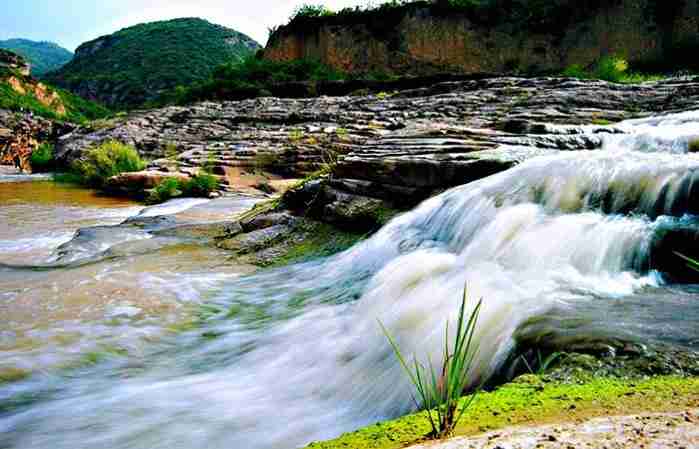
(298, 355)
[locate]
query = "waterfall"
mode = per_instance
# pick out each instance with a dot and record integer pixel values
(298, 355)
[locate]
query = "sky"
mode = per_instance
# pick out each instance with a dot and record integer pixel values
(72, 22)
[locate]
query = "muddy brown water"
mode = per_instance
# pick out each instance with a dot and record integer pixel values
(52, 317)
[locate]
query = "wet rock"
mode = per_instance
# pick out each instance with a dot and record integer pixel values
(264, 221)
(355, 211)
(150, 223)
(204, 231)
(256, 240)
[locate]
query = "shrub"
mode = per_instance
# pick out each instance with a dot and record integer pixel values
(201, 185)
(42, 158)
(106, 160)
(166, 189)
(439, 392)
(611, 68)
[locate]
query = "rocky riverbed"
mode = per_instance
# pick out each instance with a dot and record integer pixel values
(397, 148)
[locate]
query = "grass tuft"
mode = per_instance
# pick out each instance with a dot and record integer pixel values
(439, 393)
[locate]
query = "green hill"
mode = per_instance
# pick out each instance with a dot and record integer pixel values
(43, 56)
(137, 64)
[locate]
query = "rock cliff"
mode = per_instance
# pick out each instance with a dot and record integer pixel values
(393, 150)
(13, 62)
(510, 36)
(21, 134)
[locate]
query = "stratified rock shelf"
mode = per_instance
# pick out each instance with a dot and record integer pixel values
(400, 147)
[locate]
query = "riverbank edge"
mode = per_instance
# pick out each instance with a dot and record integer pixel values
(533, 400)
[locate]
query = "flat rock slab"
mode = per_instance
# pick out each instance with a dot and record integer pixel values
(651, 431)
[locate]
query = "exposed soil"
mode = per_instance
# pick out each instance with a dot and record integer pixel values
(657, 430)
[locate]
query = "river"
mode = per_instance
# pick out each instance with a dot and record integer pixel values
(575, 247)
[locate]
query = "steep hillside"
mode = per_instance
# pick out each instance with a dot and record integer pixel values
(467, 36)
(136, 64)
(20, 92)
(43, 56)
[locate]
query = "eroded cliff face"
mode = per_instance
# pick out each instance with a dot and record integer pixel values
(420, 39)
(21, 135)
(13, 62)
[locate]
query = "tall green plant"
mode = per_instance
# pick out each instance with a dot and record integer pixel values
(439, 393)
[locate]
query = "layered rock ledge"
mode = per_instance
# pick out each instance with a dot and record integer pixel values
(396, 147)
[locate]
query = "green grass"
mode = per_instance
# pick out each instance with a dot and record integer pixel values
(530, 399)
(200, 185)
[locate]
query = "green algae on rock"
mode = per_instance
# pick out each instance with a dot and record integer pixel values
(531, 399)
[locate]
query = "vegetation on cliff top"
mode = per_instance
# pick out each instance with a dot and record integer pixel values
(137, 64)
(549, 15)
(43, 56)
(250, 77)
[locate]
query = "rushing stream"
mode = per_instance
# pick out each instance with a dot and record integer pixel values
(578, 245)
